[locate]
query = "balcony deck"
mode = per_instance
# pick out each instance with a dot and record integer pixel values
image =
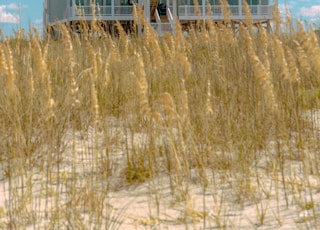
(105, 13)
(258, 12)
(184, 13)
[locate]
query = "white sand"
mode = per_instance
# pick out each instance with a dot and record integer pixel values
(79, 190)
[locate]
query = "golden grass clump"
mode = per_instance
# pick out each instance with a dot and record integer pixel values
(310, 45)
(292, 65)
(313, 48)
(248, 18)
(281, 59)
(225, 10)
(8, 68)
(68, 47)
(264, 44)
(152, 42)
(197, 8)
(93, 62)
(262, 74)
(39, 57)
(142, 87)
(302, 58)
(276, 17)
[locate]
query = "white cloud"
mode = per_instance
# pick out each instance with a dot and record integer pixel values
(284, 8)
(313, 11)
(38, 21)
(13, 6)
(8, 17)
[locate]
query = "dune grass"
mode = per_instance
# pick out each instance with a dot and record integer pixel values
(235, 115)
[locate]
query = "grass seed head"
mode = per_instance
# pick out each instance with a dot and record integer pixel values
(94, 104)
(294, 74)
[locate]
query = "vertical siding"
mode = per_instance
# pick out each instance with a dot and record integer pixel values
(57, 10)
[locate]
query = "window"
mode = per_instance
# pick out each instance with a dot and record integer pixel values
(233, 2)
(214, 2)
(99, 2)
(182, 2)
(80, 2)
(264, 2)
(253, 2)
(230, 2)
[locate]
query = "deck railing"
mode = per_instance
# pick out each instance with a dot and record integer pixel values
(189, 10)
(184, 11)
(125, 10)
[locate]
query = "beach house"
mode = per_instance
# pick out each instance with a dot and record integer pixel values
(161, 14)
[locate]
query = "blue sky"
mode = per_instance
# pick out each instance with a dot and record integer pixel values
(23, 13)
(15, 14)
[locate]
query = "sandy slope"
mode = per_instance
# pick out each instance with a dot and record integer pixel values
(76, 192)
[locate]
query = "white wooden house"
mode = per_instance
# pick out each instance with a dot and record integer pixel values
(161, 14)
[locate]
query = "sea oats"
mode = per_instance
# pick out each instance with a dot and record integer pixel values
(3, 63)
(123, 37)
(7, 64)
(209, 23)
(281, 59)
(147, 59)
(74, 89)
(135, 17)
(179, 42)
(313, 47)
(156, 51)
(50, 106)
(106, 74)
(264, 38)
(94, 105)
(99, 62)
(185, 105)
(302, 34)
(115, 54)
(277, 20)
(261, 73)
(226, 11)
(212, 134)
(294, 74)
(248, 18)
(142, 87)
(289, 23)
(184, 63)
(30, 81)
(93, 61)
(68, 47)
(263, 46)
(209, 110)
(167, 108)
(167, 53)
(169, 39)
(196, 8)
(39, 60)
(302, 58)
